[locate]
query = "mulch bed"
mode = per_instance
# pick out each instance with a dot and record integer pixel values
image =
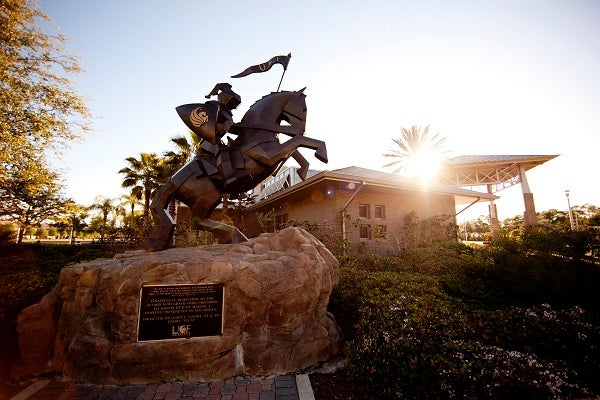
(338, 386)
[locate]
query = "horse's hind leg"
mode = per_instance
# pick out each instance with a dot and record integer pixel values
(202, 197)
(223, 232)
(302, 162)
(164, 226)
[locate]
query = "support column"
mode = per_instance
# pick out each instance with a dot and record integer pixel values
(529, 217)
(494, 223)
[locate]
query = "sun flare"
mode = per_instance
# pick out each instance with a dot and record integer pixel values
(424, 165)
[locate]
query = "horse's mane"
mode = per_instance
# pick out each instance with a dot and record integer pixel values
(273, 93)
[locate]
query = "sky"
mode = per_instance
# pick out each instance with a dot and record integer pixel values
(492, 76)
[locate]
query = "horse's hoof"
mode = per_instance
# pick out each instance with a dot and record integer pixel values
(321, 155)
(302, 172)
(238, 237)
(154, 245)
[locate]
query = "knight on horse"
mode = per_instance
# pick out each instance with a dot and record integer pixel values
(211, 121)
(234, 167)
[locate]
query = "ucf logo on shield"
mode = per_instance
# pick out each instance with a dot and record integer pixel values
(201, 119)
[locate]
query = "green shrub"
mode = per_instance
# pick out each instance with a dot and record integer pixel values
(29, 271)
(448, 322)
(7, 233)
(570, 335)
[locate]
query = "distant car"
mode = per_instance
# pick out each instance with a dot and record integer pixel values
(487, 239)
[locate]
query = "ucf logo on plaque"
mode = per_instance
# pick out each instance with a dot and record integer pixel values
(180, 311)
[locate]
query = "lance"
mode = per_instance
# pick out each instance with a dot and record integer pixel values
(284, 69)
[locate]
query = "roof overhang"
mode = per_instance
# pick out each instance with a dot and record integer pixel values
(497, 171)
(328, 182)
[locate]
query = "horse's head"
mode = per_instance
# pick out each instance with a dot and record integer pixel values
(294, 111)
(273, 109)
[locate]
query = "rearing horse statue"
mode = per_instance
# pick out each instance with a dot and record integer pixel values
(235, 168)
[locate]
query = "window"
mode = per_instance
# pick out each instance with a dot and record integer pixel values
(380, 212)
(281, 220)
(365, 231)
(364, 211)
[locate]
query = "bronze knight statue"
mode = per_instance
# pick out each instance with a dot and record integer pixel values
(235, 167)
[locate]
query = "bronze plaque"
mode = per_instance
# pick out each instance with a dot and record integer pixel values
(180, 311)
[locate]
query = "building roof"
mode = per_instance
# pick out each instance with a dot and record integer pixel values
(355, 177)
(499, 171)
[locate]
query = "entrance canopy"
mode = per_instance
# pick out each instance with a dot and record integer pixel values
(497, 172)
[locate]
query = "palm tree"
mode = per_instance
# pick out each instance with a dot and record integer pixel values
(174, 160)
(186, 150)
(417, 151)
(105, 206)
(144, 176)
(131, 201)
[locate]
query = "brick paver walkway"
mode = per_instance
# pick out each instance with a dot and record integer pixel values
(277, 388)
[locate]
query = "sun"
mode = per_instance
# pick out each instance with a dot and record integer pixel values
(424, 165)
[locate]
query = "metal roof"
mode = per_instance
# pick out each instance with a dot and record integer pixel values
(498, 171)
(374, 179)
(473, 160)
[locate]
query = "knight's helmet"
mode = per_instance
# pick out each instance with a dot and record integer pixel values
(225, 96)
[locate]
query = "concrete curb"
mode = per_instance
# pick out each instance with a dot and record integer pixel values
(31, 390)
(305, 391)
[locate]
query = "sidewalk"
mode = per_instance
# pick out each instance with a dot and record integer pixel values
(282, 387)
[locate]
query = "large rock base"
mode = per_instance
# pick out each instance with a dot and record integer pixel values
(275, 317)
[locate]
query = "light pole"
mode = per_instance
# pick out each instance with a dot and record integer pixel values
(567, 192)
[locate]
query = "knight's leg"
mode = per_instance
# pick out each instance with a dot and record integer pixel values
(164, 226)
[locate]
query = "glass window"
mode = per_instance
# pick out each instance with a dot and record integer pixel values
(281, 220)
(365, 231)
(380, 212)
(364, 211)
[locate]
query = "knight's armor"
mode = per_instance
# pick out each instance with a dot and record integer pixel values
(211, 121)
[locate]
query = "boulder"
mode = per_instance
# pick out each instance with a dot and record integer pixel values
(274, 315)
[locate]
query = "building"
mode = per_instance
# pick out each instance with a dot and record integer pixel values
(358, 209)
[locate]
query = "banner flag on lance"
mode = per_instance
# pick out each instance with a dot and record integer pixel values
(283, 60)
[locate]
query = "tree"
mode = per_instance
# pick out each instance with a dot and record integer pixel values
(417, 152)
(41, 233)
(174, 160)
(30, 198)
(72, 217)
(131, 201)
(186, 150)
(105, 206)
(144, 176)
(39, 109)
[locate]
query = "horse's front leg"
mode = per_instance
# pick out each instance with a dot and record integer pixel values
(285, 150)
(164, 226)
(302, 162)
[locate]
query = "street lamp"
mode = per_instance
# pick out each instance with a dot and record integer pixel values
(567, 192)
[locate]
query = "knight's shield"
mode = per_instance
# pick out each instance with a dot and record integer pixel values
(201, 119)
